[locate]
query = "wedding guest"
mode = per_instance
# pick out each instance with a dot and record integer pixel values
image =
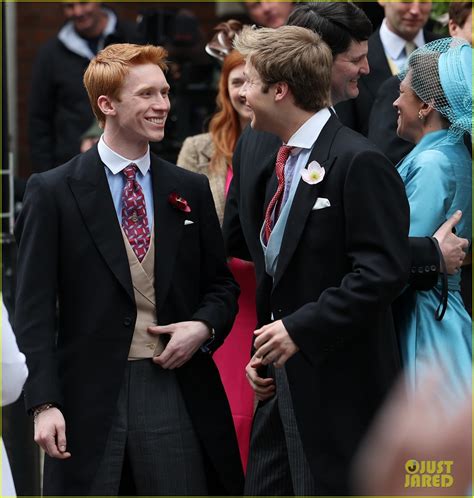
(126, 396)
(211, 155)
(333, 265)
(434, 112)
(269, 14)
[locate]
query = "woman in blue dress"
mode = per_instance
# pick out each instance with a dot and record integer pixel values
(435, 113)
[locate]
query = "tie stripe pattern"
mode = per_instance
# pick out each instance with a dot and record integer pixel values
(134, 217)
(282, 156)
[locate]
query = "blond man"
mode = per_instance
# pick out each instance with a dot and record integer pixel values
(335, 244)
(125, 394)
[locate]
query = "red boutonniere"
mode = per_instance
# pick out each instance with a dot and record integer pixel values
(179, 202)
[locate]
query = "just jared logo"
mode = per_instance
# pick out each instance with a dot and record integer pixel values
(429, 473)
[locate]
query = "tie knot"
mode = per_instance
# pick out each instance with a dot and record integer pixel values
(130, 171)
(409, 47)
(283, 153)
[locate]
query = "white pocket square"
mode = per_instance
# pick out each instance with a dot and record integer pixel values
(321, 203)
(188, 222)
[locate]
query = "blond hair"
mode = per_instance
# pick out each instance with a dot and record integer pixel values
(106, 71)
(294, 55)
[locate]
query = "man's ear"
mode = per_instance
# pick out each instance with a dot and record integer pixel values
(281, 90)
(453, 28)
(106, 105)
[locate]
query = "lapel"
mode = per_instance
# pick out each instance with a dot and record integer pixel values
(169, 224)
(90, 188)
(379, 67)
(305, 196)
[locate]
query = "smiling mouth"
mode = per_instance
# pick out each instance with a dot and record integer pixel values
(157, 121)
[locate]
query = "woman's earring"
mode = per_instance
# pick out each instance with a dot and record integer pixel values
(420, 116)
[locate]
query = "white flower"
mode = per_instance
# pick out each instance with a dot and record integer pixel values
(313, 174)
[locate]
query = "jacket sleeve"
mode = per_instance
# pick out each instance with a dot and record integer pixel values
(424, 269)
(36, 233)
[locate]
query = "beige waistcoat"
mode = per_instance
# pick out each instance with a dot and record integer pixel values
(144, 345)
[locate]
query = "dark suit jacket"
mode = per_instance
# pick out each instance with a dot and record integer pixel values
(244, 212)
(71, 250)
(363, 348)
(338, 271)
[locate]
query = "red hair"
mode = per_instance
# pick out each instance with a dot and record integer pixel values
(224, 126)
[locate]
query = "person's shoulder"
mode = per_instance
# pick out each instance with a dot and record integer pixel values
(174, 171)
(50, 47)
(430, 36)
(200, 141)
(374, 38)
(125, 32)
(70, 168)
(352, 141)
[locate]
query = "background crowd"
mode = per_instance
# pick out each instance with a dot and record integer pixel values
(380, 87)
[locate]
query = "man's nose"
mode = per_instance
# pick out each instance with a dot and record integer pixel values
(415, 8)
(365, 68)
(77, 9)
(161, 103)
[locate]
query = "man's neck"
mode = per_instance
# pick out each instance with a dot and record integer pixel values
(293, 122)
(129, 150)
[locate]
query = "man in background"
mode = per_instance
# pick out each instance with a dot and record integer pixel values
(59, 112)
(269, 14)
(401, 32)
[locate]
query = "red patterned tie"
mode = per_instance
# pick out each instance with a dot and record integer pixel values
(134, 218)
(282, 157)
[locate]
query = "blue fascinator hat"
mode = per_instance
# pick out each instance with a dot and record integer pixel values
(441, 76)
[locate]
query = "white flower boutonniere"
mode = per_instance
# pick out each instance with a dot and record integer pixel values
(313, 174)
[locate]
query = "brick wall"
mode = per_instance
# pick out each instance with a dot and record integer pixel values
(39, 21)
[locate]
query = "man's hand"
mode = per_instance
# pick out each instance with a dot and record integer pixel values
(274, 345)
(50, 433)
(263, 388)
(186, 339)
(453, 248)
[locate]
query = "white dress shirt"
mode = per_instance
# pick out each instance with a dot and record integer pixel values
(394, 45)
(114, 165)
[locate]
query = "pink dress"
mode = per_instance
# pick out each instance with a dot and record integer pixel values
(232, 357)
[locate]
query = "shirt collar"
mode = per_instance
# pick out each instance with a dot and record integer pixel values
(393, 44)
(117, 163)
(308, 133)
